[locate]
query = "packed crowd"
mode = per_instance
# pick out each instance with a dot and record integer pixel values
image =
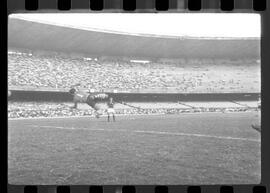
(197, 75)
(39, 109)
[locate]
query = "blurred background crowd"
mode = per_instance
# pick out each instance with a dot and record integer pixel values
(27, 70)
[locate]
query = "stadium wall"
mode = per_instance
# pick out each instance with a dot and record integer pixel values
(56, 96)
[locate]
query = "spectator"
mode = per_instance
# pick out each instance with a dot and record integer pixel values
(193, 75)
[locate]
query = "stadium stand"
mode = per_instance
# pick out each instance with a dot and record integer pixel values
(27, 70)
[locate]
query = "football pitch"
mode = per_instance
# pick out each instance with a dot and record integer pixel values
(199, 148)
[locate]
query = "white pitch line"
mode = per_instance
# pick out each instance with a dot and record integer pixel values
(151, 132)
(197, 135)
(83, 116)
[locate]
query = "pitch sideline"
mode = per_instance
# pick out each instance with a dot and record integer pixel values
(150, 132)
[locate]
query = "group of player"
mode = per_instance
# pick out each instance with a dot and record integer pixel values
(93, 100)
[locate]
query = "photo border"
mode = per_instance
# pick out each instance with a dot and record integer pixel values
(18, 6)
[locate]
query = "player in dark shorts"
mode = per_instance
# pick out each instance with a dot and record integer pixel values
(110, 110)
(92, 102)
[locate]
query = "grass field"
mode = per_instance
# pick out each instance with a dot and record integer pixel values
(202, 148)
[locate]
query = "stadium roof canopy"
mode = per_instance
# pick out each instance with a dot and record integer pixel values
(42, 36)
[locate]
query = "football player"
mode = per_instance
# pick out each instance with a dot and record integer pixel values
(110, 110)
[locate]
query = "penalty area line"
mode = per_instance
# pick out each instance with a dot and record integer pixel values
(150, 132)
